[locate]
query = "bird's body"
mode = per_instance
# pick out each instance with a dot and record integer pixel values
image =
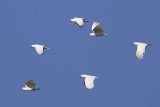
(140, 49)
(39, 48)
(97, 30)
(30, 86)
(79, 21)
(89, 80)
(26, 88)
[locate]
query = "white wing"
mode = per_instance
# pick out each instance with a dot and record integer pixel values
(140, 50)
(97, 29)
(89, 82)
(39, 50)
(79, 22)
(94, 25)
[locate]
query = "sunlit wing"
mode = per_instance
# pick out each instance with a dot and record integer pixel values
(140, 50)
(89, 82)
(79, 22)
(39, 50)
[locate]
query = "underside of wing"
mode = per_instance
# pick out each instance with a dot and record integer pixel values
(79, 22)
(139, 55)
(140, 51)
(89, 83)
(39, 50)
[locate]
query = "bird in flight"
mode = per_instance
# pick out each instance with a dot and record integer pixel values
(79, 21)
(30, 86)
(97, 30)
(89, 80)
(140, 49)
(39, 48)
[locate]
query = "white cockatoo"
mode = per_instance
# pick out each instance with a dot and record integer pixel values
(30, 86)
(79, 21)
(97, 30)
(140, 49)
(39, 48)
(89, 80)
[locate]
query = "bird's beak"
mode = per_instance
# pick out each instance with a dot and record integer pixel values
(46, 48)
(38, 89)
(97, 77)
(150, 44)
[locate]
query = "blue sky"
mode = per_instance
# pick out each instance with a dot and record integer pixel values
(124, 81)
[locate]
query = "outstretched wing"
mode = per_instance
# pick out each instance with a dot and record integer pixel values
(97, 29)
(31, 84)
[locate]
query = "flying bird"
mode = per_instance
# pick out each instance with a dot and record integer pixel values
(140, 49)
(30, 86)
(97, 30)
(39, 48)
(79, 21)
(89, 80)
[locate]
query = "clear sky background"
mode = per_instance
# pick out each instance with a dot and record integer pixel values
(124, 81)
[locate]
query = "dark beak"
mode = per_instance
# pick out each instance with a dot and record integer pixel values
(150, 44)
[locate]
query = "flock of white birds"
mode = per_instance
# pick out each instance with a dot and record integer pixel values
(97, 31)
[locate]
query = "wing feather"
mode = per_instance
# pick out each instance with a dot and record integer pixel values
(89, 82)
(31, 84)
(140, 50)
(97, 28)
(39, 50)
(79, 22)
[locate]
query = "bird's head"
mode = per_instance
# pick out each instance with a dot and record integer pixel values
(45, 47)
